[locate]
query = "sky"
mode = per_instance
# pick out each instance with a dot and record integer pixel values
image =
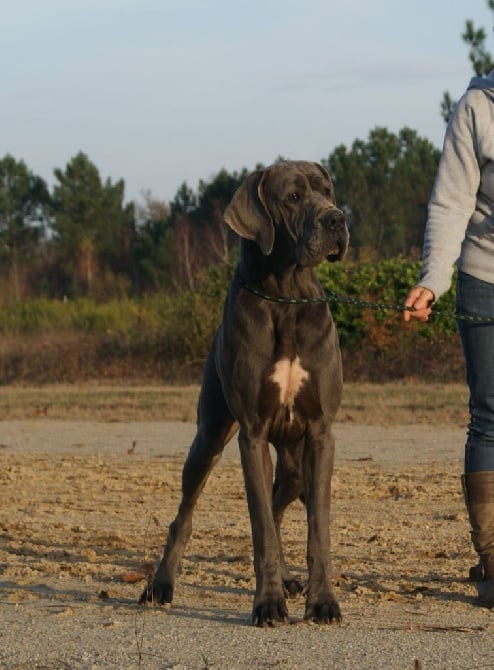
(161, 92)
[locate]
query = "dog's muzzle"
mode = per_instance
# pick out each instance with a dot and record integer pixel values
(336, 232)
(324, 238)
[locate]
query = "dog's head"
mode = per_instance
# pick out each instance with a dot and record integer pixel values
(291, 204)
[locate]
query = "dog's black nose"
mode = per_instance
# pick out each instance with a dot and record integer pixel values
(335, 219)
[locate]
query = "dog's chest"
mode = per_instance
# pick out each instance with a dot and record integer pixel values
(289, 377)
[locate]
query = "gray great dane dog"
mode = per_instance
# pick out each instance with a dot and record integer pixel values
(274, 374)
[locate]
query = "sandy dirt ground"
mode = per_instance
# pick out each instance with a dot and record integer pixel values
(84, 505)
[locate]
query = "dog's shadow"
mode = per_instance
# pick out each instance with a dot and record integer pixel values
(440, 589)
(444, 589)
(43, 592)
(214, 615)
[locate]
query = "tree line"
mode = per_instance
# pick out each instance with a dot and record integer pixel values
(80, 238)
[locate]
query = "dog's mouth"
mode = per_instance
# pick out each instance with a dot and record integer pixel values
(337, 252)
(311, 255)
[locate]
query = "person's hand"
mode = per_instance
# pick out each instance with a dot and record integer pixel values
(421, 299)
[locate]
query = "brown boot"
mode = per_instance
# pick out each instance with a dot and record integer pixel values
(478, 488)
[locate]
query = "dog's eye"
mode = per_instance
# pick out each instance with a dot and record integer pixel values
(294, 197)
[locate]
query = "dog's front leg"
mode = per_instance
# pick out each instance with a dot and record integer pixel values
(321, 605)
(269, 602)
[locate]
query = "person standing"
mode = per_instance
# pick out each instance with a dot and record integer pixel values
(460, 230)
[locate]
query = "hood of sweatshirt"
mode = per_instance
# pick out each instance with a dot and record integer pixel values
(486, 83)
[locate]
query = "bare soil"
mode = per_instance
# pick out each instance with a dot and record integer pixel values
(85, 506)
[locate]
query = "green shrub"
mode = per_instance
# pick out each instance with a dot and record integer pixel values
(168, 335)
(385, 282)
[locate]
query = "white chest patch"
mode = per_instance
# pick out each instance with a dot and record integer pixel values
(290, 377)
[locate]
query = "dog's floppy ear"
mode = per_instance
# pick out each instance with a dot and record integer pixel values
(247, 214)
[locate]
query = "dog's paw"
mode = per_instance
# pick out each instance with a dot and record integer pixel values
(324, 610)
(157, 592)
(476, 573)
(293, 587)
(270, 612)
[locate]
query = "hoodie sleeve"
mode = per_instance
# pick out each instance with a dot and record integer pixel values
(453, 198)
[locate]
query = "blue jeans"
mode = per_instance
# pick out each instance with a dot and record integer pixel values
(476, 297)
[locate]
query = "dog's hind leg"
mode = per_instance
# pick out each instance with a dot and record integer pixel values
(215, 427)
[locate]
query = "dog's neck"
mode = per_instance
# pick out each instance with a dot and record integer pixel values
(274, 274)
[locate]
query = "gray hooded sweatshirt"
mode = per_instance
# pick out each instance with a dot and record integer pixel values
(460, 223)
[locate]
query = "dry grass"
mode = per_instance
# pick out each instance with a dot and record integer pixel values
(382, 404)
(398, 403)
